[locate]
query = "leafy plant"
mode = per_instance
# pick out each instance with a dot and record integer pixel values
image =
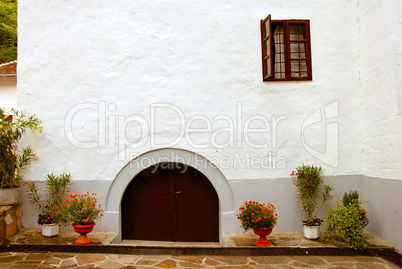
(352, 198)
(345, 222)
(254, 215)
(311, 188)
(78, 209)
(13, 124)
(56, 187)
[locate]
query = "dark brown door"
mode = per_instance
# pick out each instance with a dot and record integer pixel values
(170, 202)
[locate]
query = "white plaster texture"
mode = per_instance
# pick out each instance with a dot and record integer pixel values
(8, 91)
(95, 73)
(114, 80)
(380, 86)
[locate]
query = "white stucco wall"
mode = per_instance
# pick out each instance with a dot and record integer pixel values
(380, 84)
(195, 63)
(8, 91)
(112, 81)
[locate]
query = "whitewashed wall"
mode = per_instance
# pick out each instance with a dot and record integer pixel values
(203, 59)
(381, 87)
(113, 80)
(8, 91)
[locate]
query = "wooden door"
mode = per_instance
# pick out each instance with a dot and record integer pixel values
(170, 202)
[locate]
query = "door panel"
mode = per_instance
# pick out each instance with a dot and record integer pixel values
(170, 202)
(147, 203)
(197, 208)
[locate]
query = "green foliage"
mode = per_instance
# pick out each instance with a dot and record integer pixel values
(310, 190)
(345, 222)
(78, 209)
(56, 187)
(351, 197)
(254, 215)
(8, 30)
(13, 124)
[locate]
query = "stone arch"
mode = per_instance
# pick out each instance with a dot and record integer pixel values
(129, 171)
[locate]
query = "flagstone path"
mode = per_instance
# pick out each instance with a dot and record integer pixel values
(45, 260)
(112, 261)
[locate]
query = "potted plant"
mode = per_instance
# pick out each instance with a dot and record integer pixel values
(347, 221)
(352, 198)
(260, 218)
(56, 187)
(313, 194)
(13, 125)
(81, 211)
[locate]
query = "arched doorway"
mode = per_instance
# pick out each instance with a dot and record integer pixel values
(170, 201)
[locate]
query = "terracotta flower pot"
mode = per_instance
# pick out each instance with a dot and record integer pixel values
(263, 232)
(83, 230)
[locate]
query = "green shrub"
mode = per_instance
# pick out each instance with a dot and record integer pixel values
(350, 198)
(345, 222)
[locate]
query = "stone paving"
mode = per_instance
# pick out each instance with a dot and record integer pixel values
(77, 260)
(112, 261)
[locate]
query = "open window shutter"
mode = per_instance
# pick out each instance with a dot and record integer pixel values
(266, 43)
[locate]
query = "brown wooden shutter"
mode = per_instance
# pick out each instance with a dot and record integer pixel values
(266, 43)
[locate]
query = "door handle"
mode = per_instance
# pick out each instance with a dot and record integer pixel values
(177, 192)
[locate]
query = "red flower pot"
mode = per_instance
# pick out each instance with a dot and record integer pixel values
(83, 230)
(263, 232)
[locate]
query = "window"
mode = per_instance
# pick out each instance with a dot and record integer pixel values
(286, 53)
